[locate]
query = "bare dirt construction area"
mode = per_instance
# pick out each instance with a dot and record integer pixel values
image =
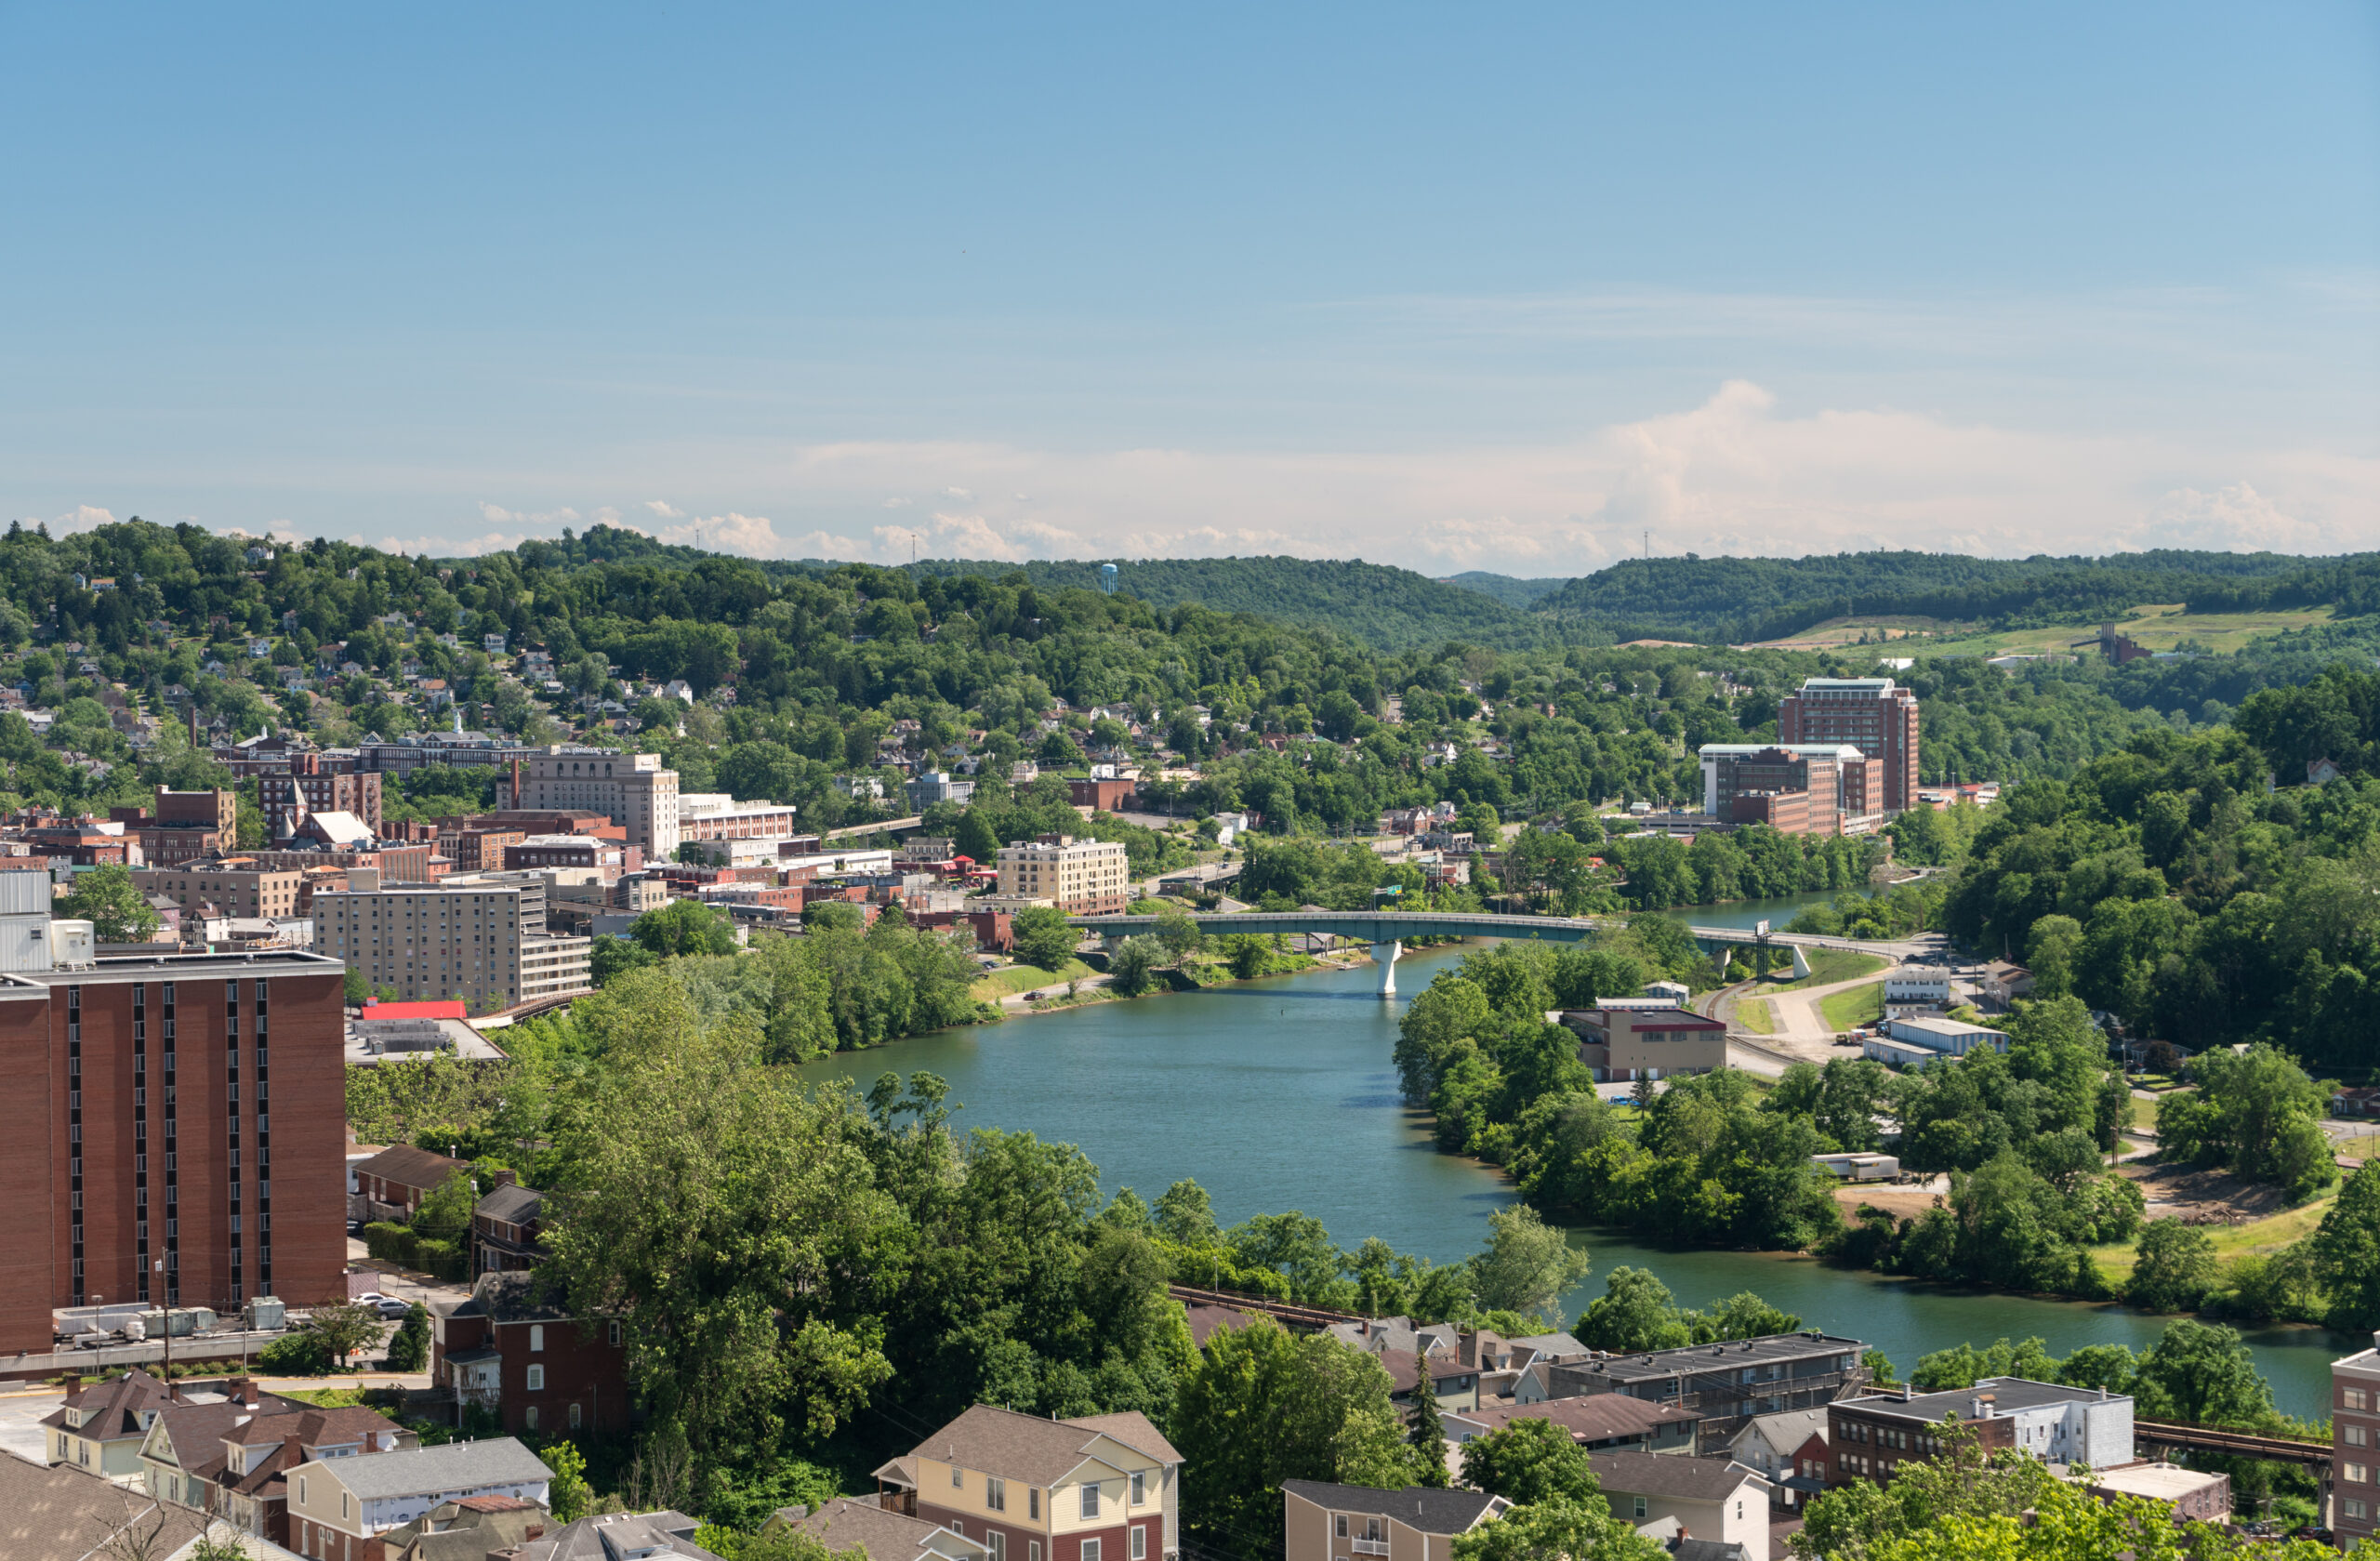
(2202, 1197)
(1902, 1202)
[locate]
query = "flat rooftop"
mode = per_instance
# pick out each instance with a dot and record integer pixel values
(2006, 1393)
(1775, 1348)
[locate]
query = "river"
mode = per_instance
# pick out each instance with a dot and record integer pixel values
(1278, 1095)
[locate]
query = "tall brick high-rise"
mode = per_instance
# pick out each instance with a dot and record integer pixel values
(156, 1097)
(1875, 715)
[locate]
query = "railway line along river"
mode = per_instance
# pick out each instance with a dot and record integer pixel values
(1278, 1095)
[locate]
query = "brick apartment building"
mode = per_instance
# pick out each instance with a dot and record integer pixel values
(2355, 1446)
(1098, 1487)
(182, 825)
(154, 1092)
(309, 787)
(1875, 715)
(510, 1350)
(1871, 1437)
(482, 938)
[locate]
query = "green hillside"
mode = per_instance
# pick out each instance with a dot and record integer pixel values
(1507, 588)
(1374, 604)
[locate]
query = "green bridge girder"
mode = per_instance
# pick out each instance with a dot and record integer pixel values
(1390, 926)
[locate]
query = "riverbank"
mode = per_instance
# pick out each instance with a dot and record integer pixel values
(1090, 987)
(1278, 1093)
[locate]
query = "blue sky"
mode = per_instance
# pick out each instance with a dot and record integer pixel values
(1503, 287)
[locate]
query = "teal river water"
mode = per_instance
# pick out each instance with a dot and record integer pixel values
(1279, 1095)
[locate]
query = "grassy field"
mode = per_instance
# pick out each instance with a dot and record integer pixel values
(2160, 628)
(1024, 978)
(2230, 1241)
(1861, 1005)
(1831, 965)
(1757, 1014)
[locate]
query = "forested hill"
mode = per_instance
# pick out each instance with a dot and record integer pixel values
(1374, 604)
(1737, 601)
(1509, 590)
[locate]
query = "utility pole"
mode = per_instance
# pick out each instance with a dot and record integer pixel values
(1648, 544)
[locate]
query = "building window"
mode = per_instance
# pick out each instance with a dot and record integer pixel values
(529, 1419)
(1090, 1550)
(957, 1478)
(999, 1545)
(2354, 1509)
(1033, 1502)
(615, 1334)
(536, 1379)
(1141, 1541)
(2350, 1398)
(2354, 1436)
(994, 1494)
(1033, 1550)
(1340, 1525)
(1089, 1501)
(2354, 1474)
(1640, 1506)
(537, 1336)
(1140, 1488)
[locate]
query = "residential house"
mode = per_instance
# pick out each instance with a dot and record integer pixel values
(340, 1506)
(505, 1226)
(509, 1349)
(662, 1536)
(885, 1535)
(401, 1177)
(1454, 1384)
(66, 1514)
(1781, 1447)
(1707, 1499)
(101, 1426)
(2005, 983)
(1098, 1487)
(1326, 1522)
(231, 1459)
(467, 1530)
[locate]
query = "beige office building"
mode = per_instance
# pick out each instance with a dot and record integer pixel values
(632, 789)
(232, 891)
(1081, 877)
(481, 937)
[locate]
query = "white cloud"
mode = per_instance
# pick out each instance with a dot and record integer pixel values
(83, 517)
(1737, 473)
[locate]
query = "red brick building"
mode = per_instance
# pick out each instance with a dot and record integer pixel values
(402, 1176)
(509, 1349)
(308, 788)
(154, 1096)
(1875, 715)
(1102, 796)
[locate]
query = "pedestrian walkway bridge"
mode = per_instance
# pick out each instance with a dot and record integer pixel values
(1387, 929)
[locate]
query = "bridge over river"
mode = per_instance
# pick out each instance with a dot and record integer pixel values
(1387, 929)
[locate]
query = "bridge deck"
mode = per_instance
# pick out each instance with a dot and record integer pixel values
(1393, 926)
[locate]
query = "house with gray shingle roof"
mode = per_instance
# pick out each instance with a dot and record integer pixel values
(338, 1504)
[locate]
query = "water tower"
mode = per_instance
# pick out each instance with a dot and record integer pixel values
(1107, 579)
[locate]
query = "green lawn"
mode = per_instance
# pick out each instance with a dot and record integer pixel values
(1861, 1005)
(2144, 1112)
(2268, 1235)
(1757, 1014)
(1008, 983)
(1831, 965)
(2156, 628)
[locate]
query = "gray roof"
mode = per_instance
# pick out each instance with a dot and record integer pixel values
(512, 1203)
(2007, 1392)
(1033, 1450)
(1655, 1474)
(1785, 1429)
(1696, 1359)
(458, 1466)
(65, 1514)
(610, 1536)
(1431, 1512)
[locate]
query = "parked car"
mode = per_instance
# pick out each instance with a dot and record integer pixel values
(390, 1306)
